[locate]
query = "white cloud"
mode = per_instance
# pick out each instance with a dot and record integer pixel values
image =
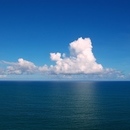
(81, 60)
(81, 64)
(2, 76)
(111, 74)
(21, 67)
(43, 69)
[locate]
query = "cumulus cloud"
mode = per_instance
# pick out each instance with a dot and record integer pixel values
(43, 69)
(80, 64)
(20, 67)
(81, 60)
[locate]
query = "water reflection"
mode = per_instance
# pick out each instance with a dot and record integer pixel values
(65, 105)
(97, 105)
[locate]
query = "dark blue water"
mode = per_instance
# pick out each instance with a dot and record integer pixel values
(64, 105)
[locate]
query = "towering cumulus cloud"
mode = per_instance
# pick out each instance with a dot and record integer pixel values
(81, 60)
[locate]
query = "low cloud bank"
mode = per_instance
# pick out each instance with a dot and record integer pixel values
(81, 62)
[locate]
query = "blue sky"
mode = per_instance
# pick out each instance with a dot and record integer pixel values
(32, 29)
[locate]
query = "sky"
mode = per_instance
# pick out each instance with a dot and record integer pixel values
(64, 40)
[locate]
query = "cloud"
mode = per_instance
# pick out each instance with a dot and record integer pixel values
(111, 74)
(20, 67)
(81, 60)
(80, 64)
(3, 76)
(43, 69)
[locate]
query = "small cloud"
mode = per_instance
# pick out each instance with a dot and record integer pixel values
(3, 76)
(20, 67)
(111, 74)
(43, 69)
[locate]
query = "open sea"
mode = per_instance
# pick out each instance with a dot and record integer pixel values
(33, 105)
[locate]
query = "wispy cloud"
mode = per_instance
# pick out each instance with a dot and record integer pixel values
(80, 64)
(3, 76)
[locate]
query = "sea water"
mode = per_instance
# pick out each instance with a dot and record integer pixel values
(31, 105)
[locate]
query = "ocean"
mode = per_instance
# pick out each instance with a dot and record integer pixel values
(37, 105)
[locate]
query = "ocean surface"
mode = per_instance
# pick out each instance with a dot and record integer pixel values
(32, 105)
